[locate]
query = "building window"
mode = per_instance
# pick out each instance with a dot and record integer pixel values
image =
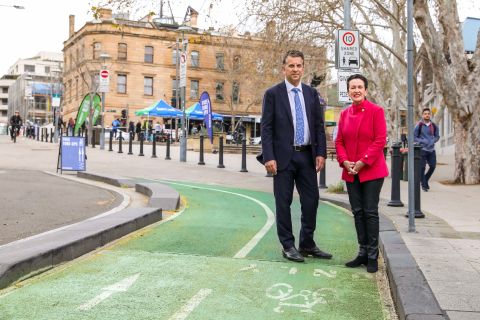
(122, 51)
(195, 56)
(97, 47)
(148, 86)
(194, 84)
(148, 54)
(4, 102)
(235, 92)
(175, 54)
(28, 68)
(220, 61)
(122, 83)
(219, 91)
(4, 89)
(237, 63)
(47, 69)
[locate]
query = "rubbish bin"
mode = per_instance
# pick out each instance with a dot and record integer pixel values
(98, 132)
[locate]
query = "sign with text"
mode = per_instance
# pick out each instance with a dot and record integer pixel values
(104, 81)
(347, 49)
(72, 154)
(183, 70)
(342, 86)
(206, 105)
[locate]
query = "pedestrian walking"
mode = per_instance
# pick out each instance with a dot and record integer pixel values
(131, 129)
(426, 134)
(361, 137)
(138, 129)
(294, 150)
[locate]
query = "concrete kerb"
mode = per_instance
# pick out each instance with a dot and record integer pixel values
(33, 256)
(114, 181)
(160, 195)
(411, 293)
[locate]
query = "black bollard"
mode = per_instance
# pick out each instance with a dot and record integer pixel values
(405, 166)
(86, 138)
(130, 141)
(42, 134)
(201, 162)
(110, 141)
(417, 157)
(322, 177)
(51, 135)
(220, 153)
(120, 140)
(167, 156)
(396, 172)
(93, 138)
(154, 145)
(142, 137)
(37, 133)
(244, 155)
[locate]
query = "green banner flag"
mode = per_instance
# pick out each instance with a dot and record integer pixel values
(83, 111)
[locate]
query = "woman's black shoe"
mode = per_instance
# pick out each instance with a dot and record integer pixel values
(372, 265)
(357, 262)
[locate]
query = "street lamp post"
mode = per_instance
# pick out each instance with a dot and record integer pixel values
(183, 86)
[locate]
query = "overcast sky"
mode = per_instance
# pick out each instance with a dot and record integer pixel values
(43, 25)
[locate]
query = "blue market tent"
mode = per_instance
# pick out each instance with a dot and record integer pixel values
(160, 109)
(195, 112)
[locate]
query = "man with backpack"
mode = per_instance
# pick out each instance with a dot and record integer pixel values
(426, 134)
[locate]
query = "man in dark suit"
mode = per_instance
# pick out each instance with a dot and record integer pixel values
(294, 150)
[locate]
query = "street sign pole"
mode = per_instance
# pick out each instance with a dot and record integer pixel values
(183, 85)
(103, 87)
(411, 175)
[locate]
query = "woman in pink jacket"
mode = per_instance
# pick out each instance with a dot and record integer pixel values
(361, 137)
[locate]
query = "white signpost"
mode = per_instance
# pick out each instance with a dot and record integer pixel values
(104, 81)
(342, 86)
(348, 49)
(183, 69)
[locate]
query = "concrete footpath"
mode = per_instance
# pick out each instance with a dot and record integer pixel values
(445, 246)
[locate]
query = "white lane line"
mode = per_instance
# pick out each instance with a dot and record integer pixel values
(191, 304)
(260, 234)
(121, 286)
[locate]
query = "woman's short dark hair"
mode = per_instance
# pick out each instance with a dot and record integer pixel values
(357, 76)
(293, 53)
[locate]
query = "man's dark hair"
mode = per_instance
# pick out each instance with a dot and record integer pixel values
(357, 76)
(426, 109)
(293, 53)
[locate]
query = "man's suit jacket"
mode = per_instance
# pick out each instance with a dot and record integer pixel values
(277, 125)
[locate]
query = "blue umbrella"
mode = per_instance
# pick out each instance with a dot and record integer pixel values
(195, 112)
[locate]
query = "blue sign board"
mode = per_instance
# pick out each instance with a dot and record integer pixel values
(207, 113)
(72, 154)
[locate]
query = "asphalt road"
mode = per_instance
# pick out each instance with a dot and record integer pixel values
(32, 202)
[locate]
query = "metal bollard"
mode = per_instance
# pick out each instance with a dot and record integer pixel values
(201, 162)
(93, 138)
(38, 134)
(130, 141)
(396, 172)
(51, 135)
(244, 155)
(120, 150)
(417, 157)
(322, 177)
(42, 134)
(220, 152)
(142, 137)
(167, 156)
(86, 138)
(110, 141)
(154, 145)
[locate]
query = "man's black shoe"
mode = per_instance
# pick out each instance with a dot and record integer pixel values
(425, 189)
(372, 265)
(357, 262)
(292, 254)
(315, 252)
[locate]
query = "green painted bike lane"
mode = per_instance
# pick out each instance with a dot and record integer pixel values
(203, 264)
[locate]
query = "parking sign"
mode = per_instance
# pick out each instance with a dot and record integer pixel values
(347, 49)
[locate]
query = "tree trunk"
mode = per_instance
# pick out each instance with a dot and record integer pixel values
(467, 149)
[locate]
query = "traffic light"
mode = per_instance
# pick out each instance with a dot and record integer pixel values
(124, 113)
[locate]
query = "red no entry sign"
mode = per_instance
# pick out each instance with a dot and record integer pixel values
(348, 38)
(104, 74)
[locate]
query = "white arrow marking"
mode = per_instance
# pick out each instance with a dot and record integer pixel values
(121, 286)
(191, 304)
